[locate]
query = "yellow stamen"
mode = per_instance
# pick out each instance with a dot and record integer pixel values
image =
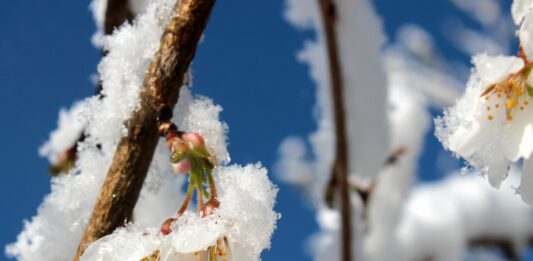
(511, 103)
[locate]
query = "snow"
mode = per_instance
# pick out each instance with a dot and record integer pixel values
(245, 217)
(440, 219)
(71, 124)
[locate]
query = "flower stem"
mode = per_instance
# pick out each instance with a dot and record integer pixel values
(212, 186)
(200, 196)
(187, 200)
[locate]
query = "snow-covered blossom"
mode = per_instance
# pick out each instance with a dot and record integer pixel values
(241, 226)
(491, 125)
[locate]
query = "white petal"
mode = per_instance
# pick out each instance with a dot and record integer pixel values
(526, 184)
(498, 170)
(492, 69)
(517, 139)
(472, 136)
(520, 8)
(526, 38)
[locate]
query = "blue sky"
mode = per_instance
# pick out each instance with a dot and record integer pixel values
(246, 63)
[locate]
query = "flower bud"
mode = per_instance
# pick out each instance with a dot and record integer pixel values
(209, 207)
(179, 146)
(165, 228)
(183, 166)
(194, 139)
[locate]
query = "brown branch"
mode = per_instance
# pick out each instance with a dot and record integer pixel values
(340, 165)
(117, 12)
(161, 86)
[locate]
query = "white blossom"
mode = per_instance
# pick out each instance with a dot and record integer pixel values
(491, 125)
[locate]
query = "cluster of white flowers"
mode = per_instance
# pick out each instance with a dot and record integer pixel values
(491, 125)
(245, 219)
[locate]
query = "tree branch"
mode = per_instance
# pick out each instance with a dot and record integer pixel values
(340, 165)
(117, 12)
(160, 90)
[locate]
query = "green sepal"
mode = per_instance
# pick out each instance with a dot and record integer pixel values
(176, 157)
(529, 90)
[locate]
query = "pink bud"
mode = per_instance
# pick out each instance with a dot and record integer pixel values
(209, 207)
(179, 146)
(166, 226)
(184, 166)
(195, 140)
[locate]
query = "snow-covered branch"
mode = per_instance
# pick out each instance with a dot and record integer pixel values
(160, 92)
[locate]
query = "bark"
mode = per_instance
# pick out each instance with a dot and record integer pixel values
(340, 165)
(117, 12)
(160, 91)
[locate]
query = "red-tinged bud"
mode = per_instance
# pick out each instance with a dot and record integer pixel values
(194, 139)
(165, 228)
(209, 207)
(179, 146)
(182, 167)
(171, 136)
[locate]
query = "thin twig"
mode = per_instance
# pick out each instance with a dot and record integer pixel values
(504, 244)
(117, 13)
(340, 165)
(161, 86)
